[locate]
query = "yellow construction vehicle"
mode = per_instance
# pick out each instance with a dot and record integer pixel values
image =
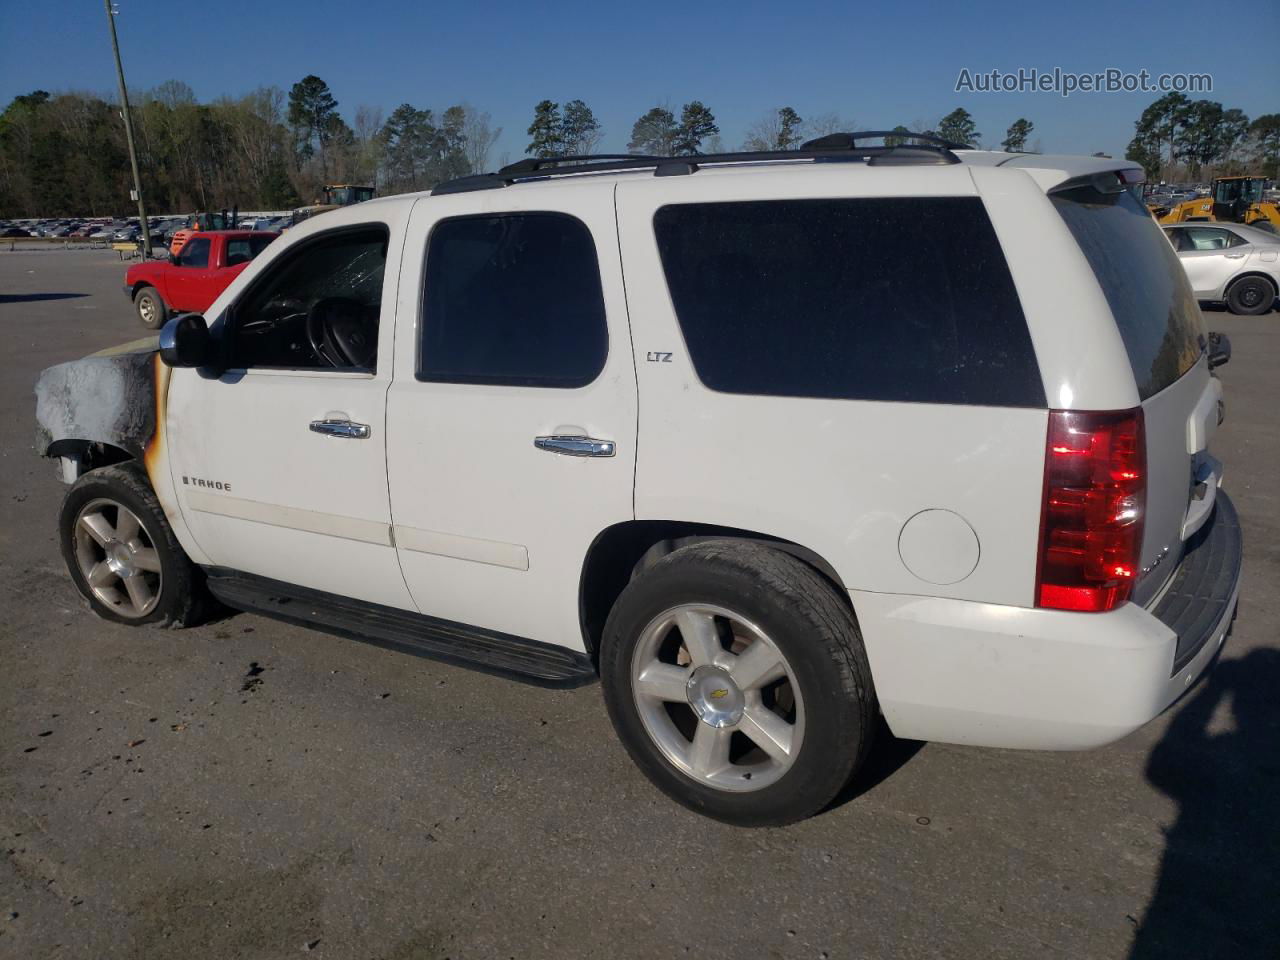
(1232, 200)
(335, 195)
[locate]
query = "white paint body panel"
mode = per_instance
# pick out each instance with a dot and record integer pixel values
(492, 531)
(998, 676)
(840, 477)
(301, 507)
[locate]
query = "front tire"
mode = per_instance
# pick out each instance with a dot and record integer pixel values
(122, 554)
(150, 308)
(1251, 296)
(737, 681)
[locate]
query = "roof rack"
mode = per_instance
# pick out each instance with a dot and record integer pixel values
(848, 141)
(836, 147)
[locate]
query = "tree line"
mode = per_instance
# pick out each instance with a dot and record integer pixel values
(65, 154)
(1177, 136)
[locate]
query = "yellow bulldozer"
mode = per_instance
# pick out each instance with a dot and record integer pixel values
(1232, 200)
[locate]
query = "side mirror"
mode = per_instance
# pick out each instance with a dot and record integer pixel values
(1219, 349)
(185, 341)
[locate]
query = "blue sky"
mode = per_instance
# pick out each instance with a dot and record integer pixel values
(876, 64)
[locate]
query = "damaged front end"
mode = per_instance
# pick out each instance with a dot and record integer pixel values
(102, 409)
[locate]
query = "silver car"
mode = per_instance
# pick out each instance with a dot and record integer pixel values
(1229, 262)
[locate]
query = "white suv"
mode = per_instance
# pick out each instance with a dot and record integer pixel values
(770, 443)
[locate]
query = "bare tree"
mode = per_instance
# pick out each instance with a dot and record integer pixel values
(480, 136)
(827, 123)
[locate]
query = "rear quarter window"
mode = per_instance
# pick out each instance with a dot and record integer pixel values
(893, 299)
(1145, 285)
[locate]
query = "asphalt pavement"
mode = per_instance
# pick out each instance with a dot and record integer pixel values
(253, 789)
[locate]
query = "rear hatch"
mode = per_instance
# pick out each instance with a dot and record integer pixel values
(1160, 323)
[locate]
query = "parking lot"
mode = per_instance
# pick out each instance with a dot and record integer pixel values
(254, 789)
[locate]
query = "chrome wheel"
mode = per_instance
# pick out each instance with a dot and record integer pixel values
(717, 697)
(117, 558)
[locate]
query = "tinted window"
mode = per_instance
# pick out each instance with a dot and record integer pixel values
(1143, 281)
(512, 299)
(902, 299)
(194, 253)
(316, 306)
(243, 249)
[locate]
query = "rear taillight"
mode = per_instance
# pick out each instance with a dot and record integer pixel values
(1095, 486)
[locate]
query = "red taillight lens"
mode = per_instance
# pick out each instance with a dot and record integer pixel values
(1095, 485)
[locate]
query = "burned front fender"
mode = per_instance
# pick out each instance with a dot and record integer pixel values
(108, 398)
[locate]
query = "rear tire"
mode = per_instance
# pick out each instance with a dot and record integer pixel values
(1251, 296)
(150, 308)
(762, 714)
(122, 554)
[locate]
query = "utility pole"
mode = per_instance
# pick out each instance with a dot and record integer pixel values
(143, 227)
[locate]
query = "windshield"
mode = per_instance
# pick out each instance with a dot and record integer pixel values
(1248, 189)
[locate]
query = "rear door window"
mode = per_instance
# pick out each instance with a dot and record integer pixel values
(512, 299)
(896, 299)
(1145, 285)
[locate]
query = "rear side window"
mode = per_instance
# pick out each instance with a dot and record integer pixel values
(513, 300)
(243, 249)
(897, 299)
(1145, 285)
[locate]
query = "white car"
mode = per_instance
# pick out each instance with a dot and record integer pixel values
(1229, 263)
(769, 443)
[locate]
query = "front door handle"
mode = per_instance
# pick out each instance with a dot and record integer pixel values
(345, 429)
(575, 446)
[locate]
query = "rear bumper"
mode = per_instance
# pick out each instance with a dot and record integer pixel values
(955, 671)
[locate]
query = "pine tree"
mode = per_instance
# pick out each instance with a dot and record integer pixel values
(580, 130)
(1015, 138)
(654, 134)
(311, 112)
(696, 124)
(547, 131)
(958, 127)
(789, 124)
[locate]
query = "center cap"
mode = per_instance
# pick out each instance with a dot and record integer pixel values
(714, 696)
(120, 558)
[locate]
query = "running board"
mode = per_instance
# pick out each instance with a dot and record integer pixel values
(502, 654)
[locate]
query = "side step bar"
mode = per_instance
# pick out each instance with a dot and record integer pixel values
(502, 654)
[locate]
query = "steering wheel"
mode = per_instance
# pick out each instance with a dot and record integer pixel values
(338, 333)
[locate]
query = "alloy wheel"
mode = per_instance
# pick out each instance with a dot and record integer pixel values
(717, 697)
(117, 558)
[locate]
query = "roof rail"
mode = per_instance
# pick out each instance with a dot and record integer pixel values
(833, 148)
(533, 164)
(848, 141)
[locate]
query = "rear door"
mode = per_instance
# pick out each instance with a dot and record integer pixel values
(511, 422)
(1159, 321)
(1211, 256)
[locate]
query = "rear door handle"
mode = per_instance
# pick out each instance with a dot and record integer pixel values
(575, 446)
(1234, 256)
(344, 429)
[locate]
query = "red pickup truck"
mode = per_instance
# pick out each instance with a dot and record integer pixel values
(192, 278)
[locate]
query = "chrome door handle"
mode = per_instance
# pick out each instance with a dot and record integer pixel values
(575, 446)
(341, 428)
(1234, 256)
